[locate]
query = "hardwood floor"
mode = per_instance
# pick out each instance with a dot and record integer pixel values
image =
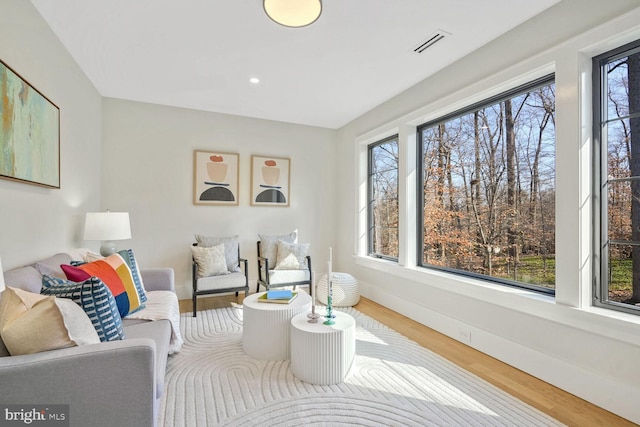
(551, 400)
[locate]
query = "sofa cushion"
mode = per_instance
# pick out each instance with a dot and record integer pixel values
(27, 278)
(160, 332)
(51, 265)
(231, 248)
(292, 256)
(115, 273)
(49, 324)
(96, 300)
(161, 305)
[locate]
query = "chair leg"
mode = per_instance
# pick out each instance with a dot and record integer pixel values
(193, 303)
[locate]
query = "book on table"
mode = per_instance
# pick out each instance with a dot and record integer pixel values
(278, 297)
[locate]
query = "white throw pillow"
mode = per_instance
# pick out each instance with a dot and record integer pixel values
(211, 261)
(269, 245)
(291, 256)
(230, 248)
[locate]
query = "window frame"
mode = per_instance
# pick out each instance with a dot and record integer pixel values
(370, 218)
(600, 286)
(487, 102)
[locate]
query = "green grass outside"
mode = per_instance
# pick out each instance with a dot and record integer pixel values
(621, 274)
(530, 270)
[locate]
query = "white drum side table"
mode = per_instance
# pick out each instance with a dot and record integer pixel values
(322, 354)
(266, 326)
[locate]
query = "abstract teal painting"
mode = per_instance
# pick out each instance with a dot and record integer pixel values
(29, 132)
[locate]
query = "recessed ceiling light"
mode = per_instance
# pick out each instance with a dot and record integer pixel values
(254, 80)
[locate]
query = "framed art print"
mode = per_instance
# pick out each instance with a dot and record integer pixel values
(270, 178)
(215, 178)
(29, 134)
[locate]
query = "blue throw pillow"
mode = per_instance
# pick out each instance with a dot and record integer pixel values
(96, 300)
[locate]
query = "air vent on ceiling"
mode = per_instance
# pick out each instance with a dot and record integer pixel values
(430, 41)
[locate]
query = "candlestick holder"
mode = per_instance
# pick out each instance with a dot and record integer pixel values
(329, 316)
(313, 316)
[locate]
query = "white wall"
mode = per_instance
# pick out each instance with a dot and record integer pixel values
(148, 171)
(589, 352)
(35, 221)
(146, 168)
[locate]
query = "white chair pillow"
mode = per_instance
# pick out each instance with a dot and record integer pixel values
(291, 256)
(211, 261)
(269, 245)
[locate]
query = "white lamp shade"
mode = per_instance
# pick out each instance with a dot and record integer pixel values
(1, 277)
(293, 13)
(107, 226)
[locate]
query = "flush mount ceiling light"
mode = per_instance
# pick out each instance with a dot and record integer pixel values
(293, 13)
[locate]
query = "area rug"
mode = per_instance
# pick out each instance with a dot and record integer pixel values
(394, 382)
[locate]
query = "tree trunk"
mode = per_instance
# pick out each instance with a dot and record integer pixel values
(510, 141)
(442, 154)
(634, 107)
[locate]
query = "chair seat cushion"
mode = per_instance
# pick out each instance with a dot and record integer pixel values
(232, 280)
(285, 276)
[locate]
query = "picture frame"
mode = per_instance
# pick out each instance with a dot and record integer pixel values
(270, 181)
(30, 132)
(215, 178)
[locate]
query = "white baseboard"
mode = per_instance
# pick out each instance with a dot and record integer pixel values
(621, 399)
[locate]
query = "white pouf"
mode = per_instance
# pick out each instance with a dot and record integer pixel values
(345, 290)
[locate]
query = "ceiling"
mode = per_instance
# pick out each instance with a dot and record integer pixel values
(200, 54)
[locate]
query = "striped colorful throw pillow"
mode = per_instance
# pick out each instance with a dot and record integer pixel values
(96, 300)
(116, 274)
(130, 259)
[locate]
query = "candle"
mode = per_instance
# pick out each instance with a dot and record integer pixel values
(313, 292)
(329, 267)
(329, 277)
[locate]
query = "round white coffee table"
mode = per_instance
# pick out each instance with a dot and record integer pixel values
(265, 326)
(322, 354)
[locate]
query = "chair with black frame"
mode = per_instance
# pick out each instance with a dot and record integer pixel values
(216, 270)
(282, 262)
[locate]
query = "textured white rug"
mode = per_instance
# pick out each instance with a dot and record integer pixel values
(394, 382)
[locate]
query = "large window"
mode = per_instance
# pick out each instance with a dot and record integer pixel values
(487, 205)
(616, 92)
(383, 198)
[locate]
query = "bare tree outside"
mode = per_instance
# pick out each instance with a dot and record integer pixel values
(621, 119)
(488, 183)
(383, 198)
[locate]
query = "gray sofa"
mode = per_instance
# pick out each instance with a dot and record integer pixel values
(116, 383)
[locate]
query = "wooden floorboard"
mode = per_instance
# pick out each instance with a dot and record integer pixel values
(551, 400)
